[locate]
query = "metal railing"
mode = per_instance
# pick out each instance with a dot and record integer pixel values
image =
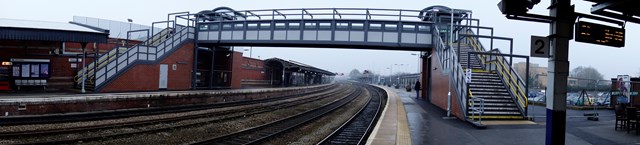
(477, 110)
(512, 79)
(143, 52)
(314, 13)
(449, 62)
(108, 57)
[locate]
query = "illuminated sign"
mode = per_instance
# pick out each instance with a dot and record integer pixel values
(6, 63)
(599, 34)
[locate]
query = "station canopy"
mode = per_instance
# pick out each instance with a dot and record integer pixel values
(14, 29)
(299, 67)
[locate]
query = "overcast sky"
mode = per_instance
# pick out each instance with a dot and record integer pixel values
(609, 61)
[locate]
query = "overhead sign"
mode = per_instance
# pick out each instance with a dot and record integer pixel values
(539, 46)
(599, 34)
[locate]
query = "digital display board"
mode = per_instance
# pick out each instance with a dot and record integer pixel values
(599, 34)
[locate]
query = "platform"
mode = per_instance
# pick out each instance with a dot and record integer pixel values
(426, 126)
(392, 128)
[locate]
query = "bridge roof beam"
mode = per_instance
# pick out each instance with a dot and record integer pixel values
(307, 12)
(278, 12)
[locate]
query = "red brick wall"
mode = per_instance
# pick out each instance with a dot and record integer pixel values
(61, 73)
(440, 88)
(236, 70)
(145, 77)
(253, 69)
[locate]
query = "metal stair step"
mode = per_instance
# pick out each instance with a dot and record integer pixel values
(498, 109)
(482, 93)
(483, 74)
(486, 83)
(486, 86)
(499, 104)
(485, 77)
(497, 112)
(504, 100)
(484, 80)
(487, 90)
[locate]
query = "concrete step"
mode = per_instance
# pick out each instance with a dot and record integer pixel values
(486, 83)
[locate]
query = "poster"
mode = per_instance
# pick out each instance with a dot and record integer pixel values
(24, 70)
(16, 71)
(35, 70)
(44, 70)
(624, 86)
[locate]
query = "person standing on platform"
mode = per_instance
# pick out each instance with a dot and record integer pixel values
(417, 87)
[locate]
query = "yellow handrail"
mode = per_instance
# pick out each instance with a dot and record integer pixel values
(510, 79)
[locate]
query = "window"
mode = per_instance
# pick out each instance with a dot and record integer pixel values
(325, 26)
(390, 27)
(239, 26)
(227, 26)
(204, 27)
(408, 27)
(214, 27)
(281, 26)
(252, 26)
(265, 25)
(424, 28)
(310, 25)
(294, 25)
(342, 26)
(357, 26)
(375, 26)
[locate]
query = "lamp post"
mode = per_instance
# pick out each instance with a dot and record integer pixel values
(250, 51)
(419, 59)
(128, 35)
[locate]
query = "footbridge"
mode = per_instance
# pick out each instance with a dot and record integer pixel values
(390, 29)
(482, 81)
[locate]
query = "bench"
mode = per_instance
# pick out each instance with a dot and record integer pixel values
(29, 83)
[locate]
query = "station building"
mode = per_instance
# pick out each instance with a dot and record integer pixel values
(100, 55)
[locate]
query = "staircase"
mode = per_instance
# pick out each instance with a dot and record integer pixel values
(494, 90)
(487, 85)
(119, 59)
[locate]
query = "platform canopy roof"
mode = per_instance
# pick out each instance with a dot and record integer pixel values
(294, 65)
(14, 29)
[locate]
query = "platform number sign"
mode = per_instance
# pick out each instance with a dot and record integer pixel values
(539, 46)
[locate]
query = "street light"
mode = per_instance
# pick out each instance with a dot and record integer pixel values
(250, 51)
(129, 35)
(419, 60)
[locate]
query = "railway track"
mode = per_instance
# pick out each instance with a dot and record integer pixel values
(265, 131)
(230, 115)
(357, 129)
(76, 117)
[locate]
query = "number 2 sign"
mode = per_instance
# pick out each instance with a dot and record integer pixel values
(539, 46)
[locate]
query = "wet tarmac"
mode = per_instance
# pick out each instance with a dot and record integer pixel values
(427, 126)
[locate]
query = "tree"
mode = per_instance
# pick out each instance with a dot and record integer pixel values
(586, 76)
(354, 74)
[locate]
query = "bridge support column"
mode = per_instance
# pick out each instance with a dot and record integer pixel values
(561, 30)
(425, 75)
